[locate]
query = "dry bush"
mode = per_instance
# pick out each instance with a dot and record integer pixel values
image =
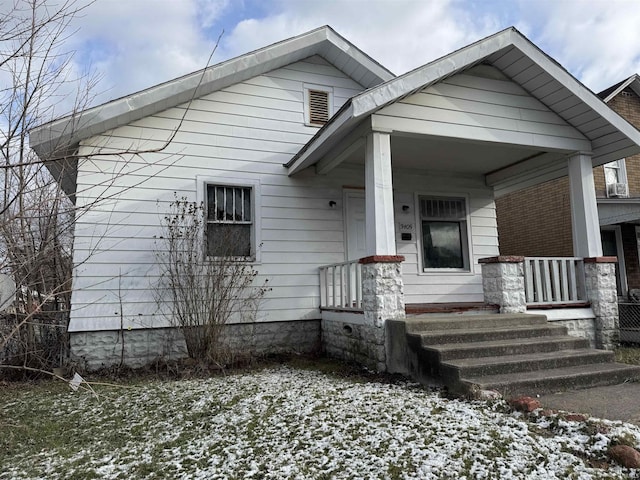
(201, 294)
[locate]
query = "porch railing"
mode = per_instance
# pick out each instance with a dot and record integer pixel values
(341, 286)
(554, 281)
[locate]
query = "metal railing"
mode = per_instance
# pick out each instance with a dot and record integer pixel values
(341, 286)
(554, 281)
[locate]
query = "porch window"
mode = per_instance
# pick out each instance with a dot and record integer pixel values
(229, 221)
(444, 232)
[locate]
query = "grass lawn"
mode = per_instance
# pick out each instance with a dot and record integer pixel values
(628, 354)
(287, 422)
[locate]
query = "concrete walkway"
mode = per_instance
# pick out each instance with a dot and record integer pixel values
(616, 402)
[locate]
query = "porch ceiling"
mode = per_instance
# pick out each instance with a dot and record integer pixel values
(444, 154)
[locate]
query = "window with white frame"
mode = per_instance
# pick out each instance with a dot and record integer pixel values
(444, 232)
(615, 172)
(229, 221)
(615, 177)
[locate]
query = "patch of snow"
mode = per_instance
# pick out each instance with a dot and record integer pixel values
(284, 423)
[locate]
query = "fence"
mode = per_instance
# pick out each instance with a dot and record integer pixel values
(554, 281)
(341, 286)
(38, 341)
(629, 314)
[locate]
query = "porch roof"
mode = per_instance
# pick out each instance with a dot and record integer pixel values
(612, 211)
(609, 135)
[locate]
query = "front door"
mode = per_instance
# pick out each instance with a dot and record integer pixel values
(356, 245)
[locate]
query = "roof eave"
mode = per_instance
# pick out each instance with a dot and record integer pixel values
(632, 81)
(310, 153)
(51, 138)
(368, 102)
(421, 77)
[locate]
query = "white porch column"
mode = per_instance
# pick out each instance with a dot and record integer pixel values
(584, 209)
(381, 238)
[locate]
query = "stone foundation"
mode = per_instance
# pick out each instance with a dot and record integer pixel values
(583, 328)
(355, 341)
(360, 337)
(94, 350)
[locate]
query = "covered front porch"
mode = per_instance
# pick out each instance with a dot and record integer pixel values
(434, 148)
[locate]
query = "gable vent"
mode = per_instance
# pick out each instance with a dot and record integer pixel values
(318, 107)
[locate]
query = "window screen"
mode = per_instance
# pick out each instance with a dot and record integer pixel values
(229, 221)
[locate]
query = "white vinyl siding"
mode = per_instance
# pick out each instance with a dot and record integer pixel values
(437, 285)
(486, 109)
(245, 132)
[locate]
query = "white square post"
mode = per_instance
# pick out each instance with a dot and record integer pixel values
(584, 209)
(381, 238)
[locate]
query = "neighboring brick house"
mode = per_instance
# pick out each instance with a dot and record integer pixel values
(537, 221)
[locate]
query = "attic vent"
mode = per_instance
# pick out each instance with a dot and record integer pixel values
(318, 107)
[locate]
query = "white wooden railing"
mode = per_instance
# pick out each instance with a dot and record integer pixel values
(554, 280)
(341, 286)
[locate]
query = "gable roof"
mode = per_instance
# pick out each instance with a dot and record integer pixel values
(521, 61)
(632, 82)
(55, 139)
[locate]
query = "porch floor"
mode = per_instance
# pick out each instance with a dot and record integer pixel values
(443, 308)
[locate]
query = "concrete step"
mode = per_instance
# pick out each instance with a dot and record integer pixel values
(426, 323)
(439, 337)
(552, 380)
(477, 367)
(495, 348)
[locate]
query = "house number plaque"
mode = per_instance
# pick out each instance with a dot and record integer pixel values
(406, 231)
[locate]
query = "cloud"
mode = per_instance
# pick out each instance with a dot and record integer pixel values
(597, 41)
(402, 34)
(137, 44)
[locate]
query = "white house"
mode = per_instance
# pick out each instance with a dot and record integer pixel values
(403, 175)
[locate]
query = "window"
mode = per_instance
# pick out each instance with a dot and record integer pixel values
(317, 104)
(615, 172)
(444, 232)
(229, 221)
(615, 177)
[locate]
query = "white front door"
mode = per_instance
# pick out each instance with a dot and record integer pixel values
(355, 225)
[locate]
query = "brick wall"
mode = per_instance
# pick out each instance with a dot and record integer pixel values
(537, 220)
(627, 105)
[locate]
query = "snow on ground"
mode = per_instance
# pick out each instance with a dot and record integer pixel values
(285, 423)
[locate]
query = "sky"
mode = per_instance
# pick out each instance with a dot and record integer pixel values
(135, 44)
